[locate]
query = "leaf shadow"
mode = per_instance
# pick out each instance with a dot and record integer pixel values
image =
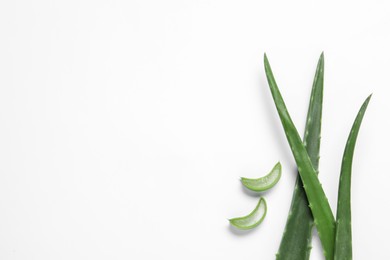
(239, 232)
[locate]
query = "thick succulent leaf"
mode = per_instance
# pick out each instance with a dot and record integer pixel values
(343, 242)
(318, 203)
(297, 235)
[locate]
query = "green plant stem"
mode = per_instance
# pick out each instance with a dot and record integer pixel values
(343, 242)
(318, 203)
(296, 240)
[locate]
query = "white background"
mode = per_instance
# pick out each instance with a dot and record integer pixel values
(125, 125)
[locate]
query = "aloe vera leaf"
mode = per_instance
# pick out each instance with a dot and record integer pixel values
(343, 242)
(296, 240)
(318, 202)
(253, 219)
(266, 182)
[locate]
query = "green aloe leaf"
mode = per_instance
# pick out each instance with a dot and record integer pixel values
(318, 203)
(266, 182)
(343, 242)
(296, 240)
(253, 219)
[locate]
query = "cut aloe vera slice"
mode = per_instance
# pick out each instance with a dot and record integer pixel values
(253, 219)
(266, 182)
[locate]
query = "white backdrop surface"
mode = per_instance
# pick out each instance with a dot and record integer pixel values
(125, 125)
